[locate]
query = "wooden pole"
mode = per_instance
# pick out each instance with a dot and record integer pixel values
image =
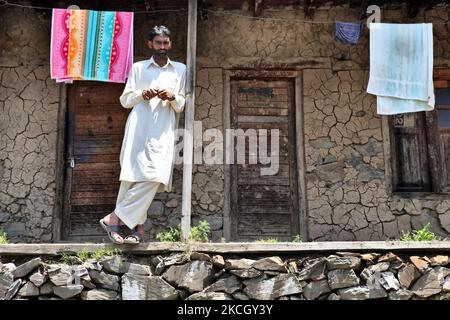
(189, 120)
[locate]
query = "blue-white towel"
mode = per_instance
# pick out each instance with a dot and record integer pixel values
(401, 67)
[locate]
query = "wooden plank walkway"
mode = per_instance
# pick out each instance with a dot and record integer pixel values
(151, 248)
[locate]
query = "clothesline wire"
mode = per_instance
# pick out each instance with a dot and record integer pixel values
(4, 3)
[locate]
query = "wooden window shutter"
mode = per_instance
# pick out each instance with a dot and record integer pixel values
(411, 169)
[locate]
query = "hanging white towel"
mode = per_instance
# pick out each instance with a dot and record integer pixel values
(401, 67)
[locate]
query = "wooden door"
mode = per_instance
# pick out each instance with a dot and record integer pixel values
(95, 127)
(264, 206)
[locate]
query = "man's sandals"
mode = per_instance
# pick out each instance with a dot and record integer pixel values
(134, 238)
(110, 228)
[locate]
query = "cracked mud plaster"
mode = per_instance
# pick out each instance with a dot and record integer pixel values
(29, 102)
(28, 118)
(346, 192)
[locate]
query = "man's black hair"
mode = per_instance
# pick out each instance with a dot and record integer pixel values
(159, 31)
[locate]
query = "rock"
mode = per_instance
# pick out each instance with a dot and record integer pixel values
(370, 257)
(134, 287)
(200, 256)
(421, 264)
(346, 262)
(408, 275)
(388, 281)
(59, 275)
(38, 279)
(139, 269)
(371, 270)
(314, 269)
(183, 294)
(174, 259)
(400, 295)
(250, 282)
(271, 273)
(26, 268)
(193, 276)
(333, 296)
(331, 172)
(240, 296)
(446, 285)
(158, 289)
(228, 285)
(273, 288)
(75, 260)
(104, 280)
(315, 289)
(88, 284)
(389, 257)
(99, 294)
(92, 264)
(442, 272)
(441, 296)
(158, 263)
(209, 296)
(292, 267)
(69, 291)
(246, 273)
(46, 288)
(4, 217)
(12, 291)
(233, 264)
(439, 261)
(270, 264)
(341, 278)
(218, 261)
(354, 293)
(14, 229)
(116, 265)
(6, 280)
(379, 267)
(10, 267)
(376, 290)
(427, 285)
(63, 275)
(28, 290)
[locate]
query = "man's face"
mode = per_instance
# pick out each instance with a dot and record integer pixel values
(160, 45)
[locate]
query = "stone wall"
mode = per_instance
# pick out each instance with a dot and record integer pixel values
(200, 276)
(29, 102)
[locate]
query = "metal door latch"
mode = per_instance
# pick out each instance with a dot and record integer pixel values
(72, 161)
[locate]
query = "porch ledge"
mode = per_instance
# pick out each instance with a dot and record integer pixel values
(150, 248)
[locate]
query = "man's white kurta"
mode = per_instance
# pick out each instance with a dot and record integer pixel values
(148, 146)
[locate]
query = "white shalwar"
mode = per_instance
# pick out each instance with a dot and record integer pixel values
(148, 146)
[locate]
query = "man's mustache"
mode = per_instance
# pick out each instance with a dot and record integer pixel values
(161, 52)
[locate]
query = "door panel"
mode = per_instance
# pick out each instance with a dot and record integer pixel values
(95, 127)
(264, 206)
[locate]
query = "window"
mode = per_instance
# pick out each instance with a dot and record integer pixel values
(420, 146)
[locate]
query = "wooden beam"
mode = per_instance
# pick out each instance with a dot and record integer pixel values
(60, 164)
(150, 248)
(258, 8)
(189, 119)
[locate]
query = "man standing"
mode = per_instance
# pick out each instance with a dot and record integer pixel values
(155, 91)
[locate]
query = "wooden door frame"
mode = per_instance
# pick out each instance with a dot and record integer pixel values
(297, 75)
(60, 164)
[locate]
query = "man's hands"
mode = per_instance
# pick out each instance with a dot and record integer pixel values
(149, 93)
(163, 94)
